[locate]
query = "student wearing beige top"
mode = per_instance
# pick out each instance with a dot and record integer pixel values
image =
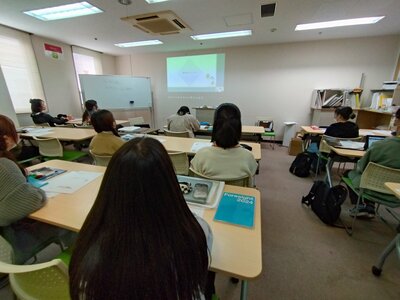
(107, 140)
(183, 121)
(226, 159)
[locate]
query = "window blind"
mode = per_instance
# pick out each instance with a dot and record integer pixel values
(19, 66)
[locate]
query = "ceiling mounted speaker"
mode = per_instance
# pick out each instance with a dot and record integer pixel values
(159, 23)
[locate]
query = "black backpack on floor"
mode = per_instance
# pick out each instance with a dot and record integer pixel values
(325, 201)
(302, 164)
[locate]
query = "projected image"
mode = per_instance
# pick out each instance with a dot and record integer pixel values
(197, 73)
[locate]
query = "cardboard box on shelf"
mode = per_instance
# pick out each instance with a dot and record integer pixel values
(295, 146)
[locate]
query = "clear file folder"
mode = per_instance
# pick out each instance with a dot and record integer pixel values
(129, 129)
(202, 192)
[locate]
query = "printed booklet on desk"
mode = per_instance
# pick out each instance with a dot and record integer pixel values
(45, 173)
(236, 209)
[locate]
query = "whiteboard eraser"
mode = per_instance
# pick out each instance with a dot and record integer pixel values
(131, 102)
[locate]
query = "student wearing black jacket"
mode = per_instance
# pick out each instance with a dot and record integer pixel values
(343, 128)
(38, 106)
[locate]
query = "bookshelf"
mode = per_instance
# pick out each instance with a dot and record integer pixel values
(325, 101)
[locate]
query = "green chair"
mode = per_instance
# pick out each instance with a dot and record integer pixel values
(268, 130)
(44, 281)
(372, 188)
(51, 148)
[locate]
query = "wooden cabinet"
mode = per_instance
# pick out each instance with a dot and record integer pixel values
(371, 119)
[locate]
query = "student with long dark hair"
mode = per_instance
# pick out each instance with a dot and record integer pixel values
(38, 108)
(183, 121)
(18, 199)
(140, 240)
(343, 128)
(107, 139)
(226, 158)
(90, 108)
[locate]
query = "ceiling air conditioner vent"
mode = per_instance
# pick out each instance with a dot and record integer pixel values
(163, 22)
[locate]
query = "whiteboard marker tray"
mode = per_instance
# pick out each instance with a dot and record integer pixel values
(202, 192)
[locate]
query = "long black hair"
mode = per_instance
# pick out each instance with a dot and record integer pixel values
(346, 112)
(227, 126)
(103, 120)
(140, 240)
(90, 108)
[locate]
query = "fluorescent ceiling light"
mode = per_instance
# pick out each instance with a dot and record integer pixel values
(137, 44)
(64, 11)
(339, 23)
(221, 35)
(155, 1)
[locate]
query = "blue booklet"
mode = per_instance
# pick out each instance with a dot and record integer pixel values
(236, 209)
(36, 182)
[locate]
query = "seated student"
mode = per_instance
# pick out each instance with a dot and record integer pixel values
(20, 150)
(18, 199)
(226, 158)
(384, 152)
(107, 140)
(183, 121)
(38, 107)
(90, 108)
(343, 128)
(140, 240)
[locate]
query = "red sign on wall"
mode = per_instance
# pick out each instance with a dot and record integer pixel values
(53, 51)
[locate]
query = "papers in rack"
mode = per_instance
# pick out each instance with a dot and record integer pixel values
(199, 145)
(70, 182)
(352, 145)
(129, 129)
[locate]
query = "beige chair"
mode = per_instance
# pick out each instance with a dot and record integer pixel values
(135, 121)
(180, 161)
(177, 133)
(43, 281)
(373, 181)
(244, 181)
(51, 148)
(100, 160)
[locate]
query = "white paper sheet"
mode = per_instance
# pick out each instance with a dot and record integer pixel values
(70, 182)
(129, 129)
(199, 145)
(352, 145)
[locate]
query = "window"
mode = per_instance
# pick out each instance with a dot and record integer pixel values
(18, 64)
(86, 62)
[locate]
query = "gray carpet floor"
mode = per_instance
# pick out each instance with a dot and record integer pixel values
(305, 259)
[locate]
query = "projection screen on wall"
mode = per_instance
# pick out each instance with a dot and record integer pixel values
(196, 73)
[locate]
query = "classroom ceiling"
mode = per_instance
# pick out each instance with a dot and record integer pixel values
(101, 31)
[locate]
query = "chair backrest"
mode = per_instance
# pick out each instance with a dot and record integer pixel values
(47, 280)
(100, 160)
(137, 120)
(50, 147)
(180, 161)
(244, 181)
(177, 133)
(267, 123)
(374, 177)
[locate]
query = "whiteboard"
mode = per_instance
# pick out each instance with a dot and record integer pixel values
(117, 92)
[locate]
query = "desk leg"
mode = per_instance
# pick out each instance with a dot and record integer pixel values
(329, 165)
(243, 290)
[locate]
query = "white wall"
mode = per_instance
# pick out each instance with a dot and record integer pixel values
(275, 80)
(58, 78)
